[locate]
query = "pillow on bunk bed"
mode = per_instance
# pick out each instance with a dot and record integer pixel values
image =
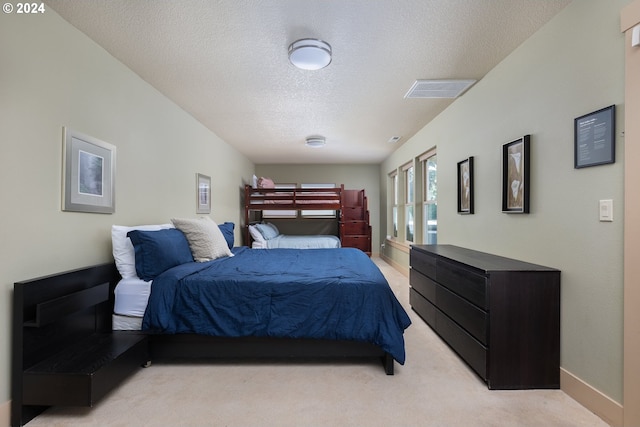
(205, 238)
(268, 230)
(227, 232)
(123, 252)
(256, 235)
(158, 251)
(266, 183)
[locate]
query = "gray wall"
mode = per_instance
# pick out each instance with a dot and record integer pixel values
(53, 76)
(573, 66)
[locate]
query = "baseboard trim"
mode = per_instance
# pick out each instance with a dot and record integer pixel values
(595, 401)
(396, 265)
(5, 414)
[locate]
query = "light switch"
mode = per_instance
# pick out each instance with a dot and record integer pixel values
(606, 210)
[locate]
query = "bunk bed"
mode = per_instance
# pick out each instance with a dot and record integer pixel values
(352, 214)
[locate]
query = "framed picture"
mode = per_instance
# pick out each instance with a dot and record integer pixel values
(515, 176)
(203, 193)
(465, 186)
(594, 136)
(88, 174)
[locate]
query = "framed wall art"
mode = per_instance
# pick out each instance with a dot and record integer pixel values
(594, 137)
(515, 176)
(465, 186)
(203, 194)
(88, 174)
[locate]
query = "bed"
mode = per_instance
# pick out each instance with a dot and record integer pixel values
(72, 343)
(267, 198)
(347, 207)
(287, 302)
(267, 236)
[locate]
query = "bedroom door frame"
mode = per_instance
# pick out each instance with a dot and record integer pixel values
(629, 18)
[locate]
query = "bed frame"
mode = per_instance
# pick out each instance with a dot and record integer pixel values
(351, 205)
(288, 199)
(63, 349)
(65, 353)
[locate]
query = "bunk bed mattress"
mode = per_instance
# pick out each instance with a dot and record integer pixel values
(286, 241)
(306, 198)
(337, 294)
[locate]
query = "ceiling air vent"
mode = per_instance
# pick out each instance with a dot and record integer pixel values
(439, 88)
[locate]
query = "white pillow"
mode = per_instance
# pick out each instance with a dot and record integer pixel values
(205, 238)
(123, 252)
(256, 235)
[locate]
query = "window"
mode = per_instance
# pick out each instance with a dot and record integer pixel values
(409, 201)
(430, 197)
(394, 197)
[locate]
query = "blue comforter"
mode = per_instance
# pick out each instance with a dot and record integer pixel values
(337, 294)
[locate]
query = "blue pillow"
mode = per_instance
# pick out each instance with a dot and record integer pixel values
(158, 251)
(268, 230)
(227, 232)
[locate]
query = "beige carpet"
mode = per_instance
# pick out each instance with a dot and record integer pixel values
(433, 388)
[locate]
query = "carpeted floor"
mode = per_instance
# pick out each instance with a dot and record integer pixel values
(433, 388)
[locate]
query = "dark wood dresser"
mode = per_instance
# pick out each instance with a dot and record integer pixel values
(502, 316)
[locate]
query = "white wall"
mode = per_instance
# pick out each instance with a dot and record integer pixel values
(572, 66)
(53, 76)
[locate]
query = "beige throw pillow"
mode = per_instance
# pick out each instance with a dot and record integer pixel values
(206, 241)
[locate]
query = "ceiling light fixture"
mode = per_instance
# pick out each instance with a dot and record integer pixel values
(315, 141)
(310, 54)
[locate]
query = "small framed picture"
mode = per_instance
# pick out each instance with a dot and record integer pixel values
(203, 194)
(515, 176)
(594, 138)
(465, 186)
(88, 174)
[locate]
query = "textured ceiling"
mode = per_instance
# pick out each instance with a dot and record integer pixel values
(225, 62)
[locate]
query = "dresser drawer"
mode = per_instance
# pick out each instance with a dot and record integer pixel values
(471, 318)
(360, 242)
(423, 285)
(425, 264)
(424, 308)
(467, 284)
(355, 227)
(472, 351)
(352, 213)
(467, 315)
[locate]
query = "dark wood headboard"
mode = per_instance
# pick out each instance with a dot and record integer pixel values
(51, 313)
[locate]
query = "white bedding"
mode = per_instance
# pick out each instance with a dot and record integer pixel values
(131, 297)
(267, 236)
(299, 242)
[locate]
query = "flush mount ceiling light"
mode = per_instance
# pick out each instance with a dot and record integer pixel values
(315, 141)
(439, 88)
(310, 54)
